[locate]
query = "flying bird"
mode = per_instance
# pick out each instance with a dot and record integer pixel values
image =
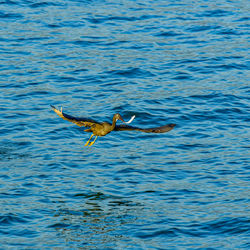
(103, 128)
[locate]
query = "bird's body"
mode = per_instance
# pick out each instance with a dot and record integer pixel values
(103, 128)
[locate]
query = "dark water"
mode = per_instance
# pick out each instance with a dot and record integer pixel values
(183, 62)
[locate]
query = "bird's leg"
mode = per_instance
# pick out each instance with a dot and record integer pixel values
(86, 144)
(93, 141)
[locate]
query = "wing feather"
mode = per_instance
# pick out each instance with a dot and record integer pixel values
(162, 129)
(81, 122)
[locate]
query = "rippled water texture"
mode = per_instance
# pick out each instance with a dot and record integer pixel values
(183, 62)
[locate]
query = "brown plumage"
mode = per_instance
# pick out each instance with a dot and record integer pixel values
(162, 129)
(103, 128)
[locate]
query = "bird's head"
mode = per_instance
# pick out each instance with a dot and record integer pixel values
(118, 117)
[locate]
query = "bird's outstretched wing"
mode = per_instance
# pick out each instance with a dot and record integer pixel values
(162, 129)
(77, 120)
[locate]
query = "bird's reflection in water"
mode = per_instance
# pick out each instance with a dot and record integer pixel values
(97, 222)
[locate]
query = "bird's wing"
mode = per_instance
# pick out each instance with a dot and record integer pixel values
(162, 129)
(77, 120)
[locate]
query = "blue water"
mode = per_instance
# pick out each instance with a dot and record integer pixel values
(182, 62)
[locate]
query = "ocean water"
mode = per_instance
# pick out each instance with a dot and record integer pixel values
(182, 62)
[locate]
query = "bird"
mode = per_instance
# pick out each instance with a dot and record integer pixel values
(103, 128)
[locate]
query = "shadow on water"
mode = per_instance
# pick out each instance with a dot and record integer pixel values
(99, 219)
(14, 150)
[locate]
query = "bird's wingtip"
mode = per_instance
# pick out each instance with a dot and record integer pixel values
(59, 112)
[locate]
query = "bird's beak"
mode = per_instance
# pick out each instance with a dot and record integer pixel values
(132, 118)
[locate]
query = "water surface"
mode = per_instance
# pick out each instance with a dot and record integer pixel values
(164, 61)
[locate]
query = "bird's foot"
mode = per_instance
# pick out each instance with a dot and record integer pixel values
(87, 143)
(92, 142)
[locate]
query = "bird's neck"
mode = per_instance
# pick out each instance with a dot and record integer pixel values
(113, 124)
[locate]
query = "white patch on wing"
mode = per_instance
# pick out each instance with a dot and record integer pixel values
(132, 118)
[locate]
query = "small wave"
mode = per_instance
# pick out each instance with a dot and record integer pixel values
(229, 226)
(9, 15)
(182, 76)
(228, 32)
(214, 13)
(98, 20)
(44, 4)
(59, 225)
(172, 232)
(10, 219)
(131, 73)
(168, 34)
(86, 43)
(202, 28)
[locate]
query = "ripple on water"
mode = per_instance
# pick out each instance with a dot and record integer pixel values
(163, 62)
